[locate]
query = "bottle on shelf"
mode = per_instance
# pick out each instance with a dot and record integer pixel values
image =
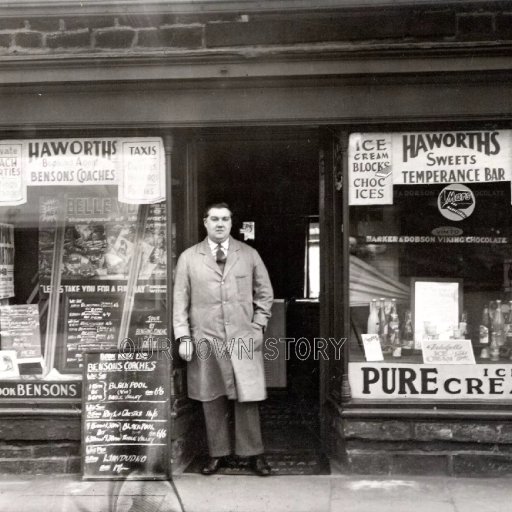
(494, 348)
(463, 325)
(485, 333)
(392, 309)
(496, 332)
(383, 324)
(407, 334)
(394, 335)
(389, 315)
(508, 329)
(508, 325)
(373, 318)
(498, 324)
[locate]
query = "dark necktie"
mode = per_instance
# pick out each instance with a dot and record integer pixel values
(220, 258)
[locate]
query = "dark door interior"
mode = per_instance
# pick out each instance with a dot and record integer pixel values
(271, 179)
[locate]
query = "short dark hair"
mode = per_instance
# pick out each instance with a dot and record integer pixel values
(216, 205)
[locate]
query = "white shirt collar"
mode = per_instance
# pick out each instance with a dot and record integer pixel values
(213, 246)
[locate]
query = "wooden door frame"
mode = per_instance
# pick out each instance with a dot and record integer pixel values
(210, 135)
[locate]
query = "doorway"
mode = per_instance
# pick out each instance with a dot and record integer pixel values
(270, 179)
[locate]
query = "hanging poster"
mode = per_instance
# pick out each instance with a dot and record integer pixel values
(370, 173)
(143, 177)
(135, 165)
(99, 241)
(6, 261)
(60, 162)
(13, 189)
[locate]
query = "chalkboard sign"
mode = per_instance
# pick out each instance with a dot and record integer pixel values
(125, 416)
(91, 323)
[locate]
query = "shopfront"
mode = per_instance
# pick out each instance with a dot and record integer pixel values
(373, 175)
(412, 201)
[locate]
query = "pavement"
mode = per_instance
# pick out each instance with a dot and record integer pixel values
(219, 493)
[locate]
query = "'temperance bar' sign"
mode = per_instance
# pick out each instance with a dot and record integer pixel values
(378, 161)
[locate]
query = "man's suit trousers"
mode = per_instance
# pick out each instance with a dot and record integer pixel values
(248, 439)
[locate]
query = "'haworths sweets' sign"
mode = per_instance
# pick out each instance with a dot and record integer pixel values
(378, 161)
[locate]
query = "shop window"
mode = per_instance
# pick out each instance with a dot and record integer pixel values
(312, 261)
(83, 252)
(430, 265)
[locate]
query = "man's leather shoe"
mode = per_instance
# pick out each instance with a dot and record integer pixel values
(260, 465)
(213, 465)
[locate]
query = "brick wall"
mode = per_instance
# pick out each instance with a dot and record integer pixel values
(46, 445)
(422, 447)
(39, 444)
(41, 36)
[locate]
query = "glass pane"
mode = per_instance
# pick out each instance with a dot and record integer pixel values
(395, 247)
(80, 269)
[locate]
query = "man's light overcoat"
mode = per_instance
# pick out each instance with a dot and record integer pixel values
(223, 312)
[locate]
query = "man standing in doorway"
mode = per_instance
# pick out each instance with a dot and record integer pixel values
(222, 303)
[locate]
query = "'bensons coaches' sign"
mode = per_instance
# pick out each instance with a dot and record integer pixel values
(40, 390)
(135, 165)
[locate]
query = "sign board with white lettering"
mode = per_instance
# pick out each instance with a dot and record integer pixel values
(136, 165)
(125, 415)
(378, 161)
(425, 158)
(382, 381)
(54, 391)
(370, 172)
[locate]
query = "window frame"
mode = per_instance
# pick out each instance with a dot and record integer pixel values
(408, 407)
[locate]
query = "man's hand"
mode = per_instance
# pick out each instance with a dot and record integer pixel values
(186, 348)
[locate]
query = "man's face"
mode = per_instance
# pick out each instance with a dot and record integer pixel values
(218, 224)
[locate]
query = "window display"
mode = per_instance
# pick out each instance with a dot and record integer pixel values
(83, 251)
(430, 264)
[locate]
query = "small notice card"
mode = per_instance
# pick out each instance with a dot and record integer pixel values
(448, 352)
(8, 364)
(19, 330)
(372, 348)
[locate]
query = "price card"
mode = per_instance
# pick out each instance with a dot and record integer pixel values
(448, 352)
(372, 347)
